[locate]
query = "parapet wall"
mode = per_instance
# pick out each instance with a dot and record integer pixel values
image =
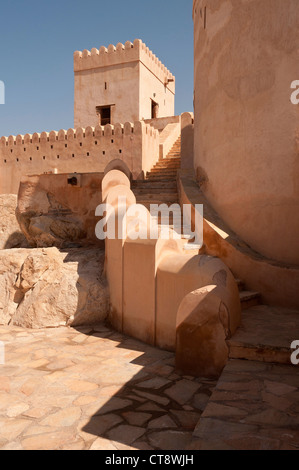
(77, 150)
(121, 54)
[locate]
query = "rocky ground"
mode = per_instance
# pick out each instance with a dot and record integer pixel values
(47, 287)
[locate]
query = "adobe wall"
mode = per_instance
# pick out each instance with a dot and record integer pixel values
(122, 92)
(246, 128)
(145, 297)
(154, 89)
(126, 76)
(81, 150)
(53, 212)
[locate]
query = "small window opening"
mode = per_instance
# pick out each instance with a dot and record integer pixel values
(104, 113)
(73, 181)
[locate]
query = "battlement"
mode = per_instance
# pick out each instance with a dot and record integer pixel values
(81, 150)
(122, 54)
(137, 128)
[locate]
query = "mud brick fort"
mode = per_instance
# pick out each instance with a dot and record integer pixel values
(229, 306)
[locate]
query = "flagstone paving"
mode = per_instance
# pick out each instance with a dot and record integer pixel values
(92, 388)
(95, 389)
(255, 406)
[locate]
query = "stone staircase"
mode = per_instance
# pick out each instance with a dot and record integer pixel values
(160, 187)
(166, 169)
(255, 403)
(266, 332)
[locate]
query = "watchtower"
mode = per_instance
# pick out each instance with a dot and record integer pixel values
(123, 83)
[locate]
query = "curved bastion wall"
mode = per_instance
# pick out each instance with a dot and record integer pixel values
(77, 151)
(246, 127)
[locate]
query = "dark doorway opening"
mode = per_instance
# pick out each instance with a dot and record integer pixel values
(155, 110)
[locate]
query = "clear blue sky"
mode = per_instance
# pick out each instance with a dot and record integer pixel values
(38, 38)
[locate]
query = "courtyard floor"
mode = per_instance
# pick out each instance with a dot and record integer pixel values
(92, 388)
(95, 389)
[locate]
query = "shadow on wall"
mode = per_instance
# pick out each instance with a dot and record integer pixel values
(155, 406)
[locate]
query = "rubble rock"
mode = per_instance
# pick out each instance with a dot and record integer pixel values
(47, 287)
(10, 233)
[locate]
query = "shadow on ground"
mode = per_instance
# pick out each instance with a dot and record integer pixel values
(157, 408)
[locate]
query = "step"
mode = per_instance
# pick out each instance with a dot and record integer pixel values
(146, 185)
(162, 199)
(153, 179)
(162, 172)
(249, 299)
(266, 334)
(147, 203)
(163, 163)
(254, 406)
(149, 190)
(170, 166)
(161, 176)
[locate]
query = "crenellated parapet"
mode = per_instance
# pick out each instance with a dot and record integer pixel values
(82, 150)
(122, 54)
(137, 128)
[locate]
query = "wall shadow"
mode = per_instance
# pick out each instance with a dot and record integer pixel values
(155, 408)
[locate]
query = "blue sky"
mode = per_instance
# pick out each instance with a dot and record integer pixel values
(38, 38)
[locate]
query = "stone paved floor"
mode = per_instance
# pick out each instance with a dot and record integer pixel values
(93, 389)
(255, 406)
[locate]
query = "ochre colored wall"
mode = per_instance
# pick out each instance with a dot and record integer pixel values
(152, 88)
(122, 92)
(81, 150)
(133, 75)
(246, 128)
